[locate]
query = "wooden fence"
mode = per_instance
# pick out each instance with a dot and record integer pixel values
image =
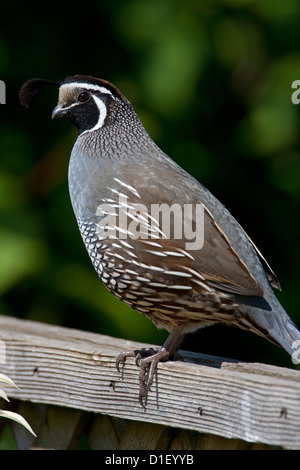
(70, 391)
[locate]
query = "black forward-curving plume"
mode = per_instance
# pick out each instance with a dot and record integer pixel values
(31, 89)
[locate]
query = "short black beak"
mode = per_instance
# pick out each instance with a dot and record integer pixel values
(59, 111)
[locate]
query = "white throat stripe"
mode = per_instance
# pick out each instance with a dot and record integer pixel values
(102, 115)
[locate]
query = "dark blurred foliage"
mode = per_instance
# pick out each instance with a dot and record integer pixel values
(211, 81)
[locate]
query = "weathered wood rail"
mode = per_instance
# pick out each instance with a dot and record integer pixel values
(69, 385)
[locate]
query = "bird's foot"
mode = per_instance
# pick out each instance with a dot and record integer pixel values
(147, 360)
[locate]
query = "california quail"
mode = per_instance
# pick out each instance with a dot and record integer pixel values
(195, 268)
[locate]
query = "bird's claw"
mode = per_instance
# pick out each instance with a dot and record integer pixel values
(147, 360)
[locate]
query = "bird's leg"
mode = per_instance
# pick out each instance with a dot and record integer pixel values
(148, 365)
(148, 359)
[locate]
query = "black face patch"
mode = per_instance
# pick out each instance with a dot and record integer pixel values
(85, 116)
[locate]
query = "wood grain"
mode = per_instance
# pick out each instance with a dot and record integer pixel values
(76, 369)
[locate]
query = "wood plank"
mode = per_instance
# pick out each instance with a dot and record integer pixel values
(76, 369)
(57, 429)
(210, 442)
(185, 440)
(144, 436)
(103, 435)
(34, 414)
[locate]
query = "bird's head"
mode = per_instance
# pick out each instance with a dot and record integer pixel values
(86, 101)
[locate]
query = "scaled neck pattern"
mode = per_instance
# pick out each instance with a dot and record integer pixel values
(122, 137)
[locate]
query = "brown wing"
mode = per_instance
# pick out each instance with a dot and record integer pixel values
(269, 272)
(220, 264)
(216, 262)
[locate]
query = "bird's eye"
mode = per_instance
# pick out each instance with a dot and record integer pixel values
(83, 97)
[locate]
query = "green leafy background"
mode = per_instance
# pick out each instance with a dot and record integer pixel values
(211, 82)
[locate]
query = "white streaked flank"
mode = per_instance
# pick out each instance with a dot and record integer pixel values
(153, 243)
(172, 307)
(119, 193)
(130, 271)
(174, 253)
(196, 273)
(186, 253)
(202, 284)
(180, 287)
(128, 186)
(178, 273)
(156, 253)
(127, 244)
(142, 279)
(131, 254)
(157, 284)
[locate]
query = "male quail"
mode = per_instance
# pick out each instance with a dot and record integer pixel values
(116, 169)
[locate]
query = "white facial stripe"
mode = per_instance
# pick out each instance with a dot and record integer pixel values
(102, 115)
(86, 86)
(67, 88)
